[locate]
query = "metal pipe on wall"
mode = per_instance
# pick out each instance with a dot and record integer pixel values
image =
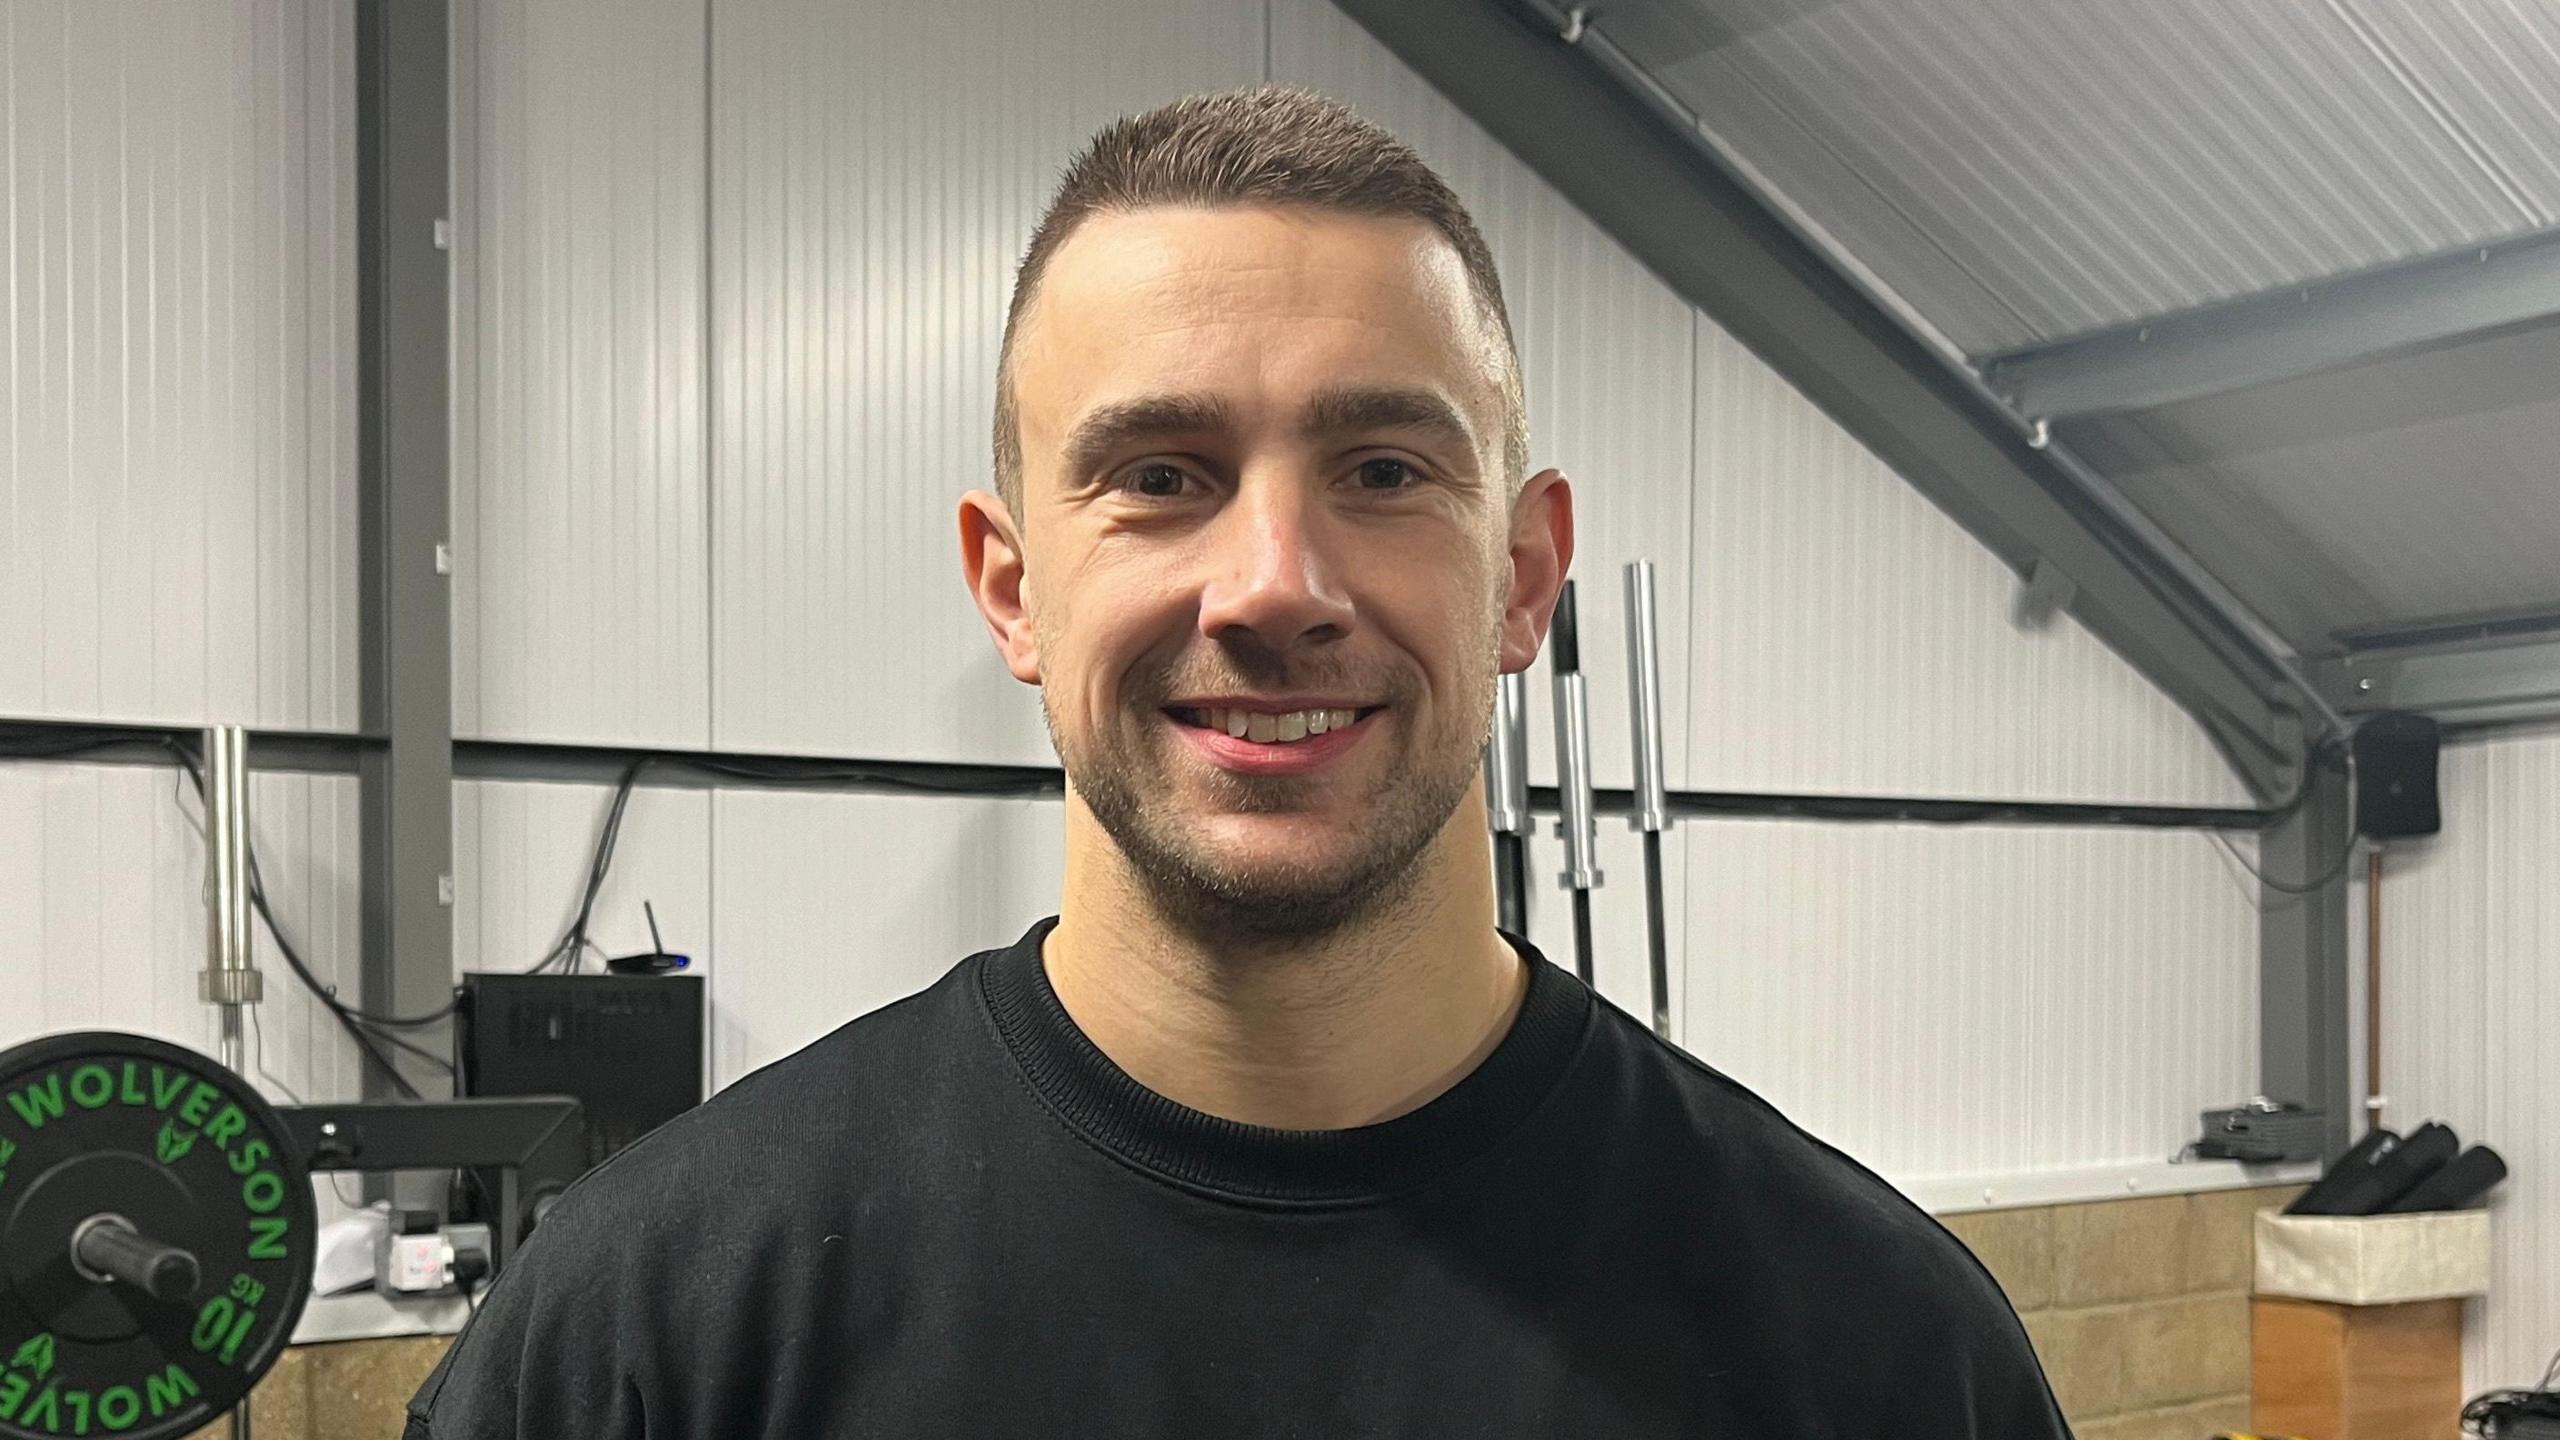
(230, 979)
(1573, 780)
(1652, 805)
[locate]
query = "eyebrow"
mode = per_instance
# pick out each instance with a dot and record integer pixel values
(1335, 411)
(1113, 426)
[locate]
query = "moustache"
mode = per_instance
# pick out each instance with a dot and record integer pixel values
(1374, 684)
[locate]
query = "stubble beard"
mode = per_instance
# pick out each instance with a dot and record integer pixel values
(1125, 781)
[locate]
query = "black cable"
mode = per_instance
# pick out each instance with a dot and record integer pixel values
(573, 942)
(566, 956)
(2346, 847)
(20, 743)
(2488, 1414)
(928, 784)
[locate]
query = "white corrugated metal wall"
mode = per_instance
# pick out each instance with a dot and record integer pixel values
(842, 203)
(2470, 1001)
(177, 495)
(177, 445)
(801, 951)
(579, 521)
(102, 922)
(1970, 1009)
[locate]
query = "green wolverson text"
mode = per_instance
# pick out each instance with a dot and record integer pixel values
(49, 1406)
(194, 1110)
(225, 1192)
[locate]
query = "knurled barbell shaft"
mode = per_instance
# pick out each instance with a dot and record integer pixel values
(109, 1246)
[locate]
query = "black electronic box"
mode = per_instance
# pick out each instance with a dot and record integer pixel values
(627, 1047)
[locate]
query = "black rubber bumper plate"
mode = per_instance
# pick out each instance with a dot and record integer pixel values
(186, 1154)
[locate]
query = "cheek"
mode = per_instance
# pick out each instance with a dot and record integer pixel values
(1444, 612)
(1100, 624)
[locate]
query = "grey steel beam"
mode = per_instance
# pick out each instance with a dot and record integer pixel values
(2497, 679)
(406, 778)
(2302, 956)
(1648, 180)
(2280, 334)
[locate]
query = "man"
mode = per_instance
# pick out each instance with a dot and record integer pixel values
(1270, 1132)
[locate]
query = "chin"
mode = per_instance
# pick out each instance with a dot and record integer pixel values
(1274, 903)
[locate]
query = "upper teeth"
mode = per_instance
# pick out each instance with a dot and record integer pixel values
(1275, 729)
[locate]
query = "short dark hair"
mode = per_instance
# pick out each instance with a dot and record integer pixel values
(1269, 145)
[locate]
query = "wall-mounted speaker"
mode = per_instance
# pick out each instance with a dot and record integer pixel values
(2396, 776)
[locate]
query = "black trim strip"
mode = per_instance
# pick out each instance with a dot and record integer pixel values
(309, 751)
(336, 754)
(1927, 810)
(731, 769)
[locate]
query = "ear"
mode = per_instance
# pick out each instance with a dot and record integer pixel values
(991, 561)
(1541, 556)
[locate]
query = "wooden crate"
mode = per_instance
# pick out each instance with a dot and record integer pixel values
(2356, 1372)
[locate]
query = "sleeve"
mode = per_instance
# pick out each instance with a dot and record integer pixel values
(1977, 1362)
(2007, 1394)
(537, 1362)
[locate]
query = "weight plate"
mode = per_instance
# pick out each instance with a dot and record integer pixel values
(188, 1155)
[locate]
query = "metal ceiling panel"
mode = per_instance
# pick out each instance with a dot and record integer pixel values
(2492, 70)
(2085, 163)
(1932, 282)
(2403, 490)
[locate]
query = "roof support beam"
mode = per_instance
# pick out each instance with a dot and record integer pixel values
(2281, 334)
(2503, 675)
(1648, 181)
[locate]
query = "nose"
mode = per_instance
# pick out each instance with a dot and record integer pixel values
(1272, 579)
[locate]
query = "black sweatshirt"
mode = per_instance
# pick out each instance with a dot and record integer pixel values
(956, 1217)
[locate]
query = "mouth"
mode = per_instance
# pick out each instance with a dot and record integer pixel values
(1278, 737)
(1267, 725)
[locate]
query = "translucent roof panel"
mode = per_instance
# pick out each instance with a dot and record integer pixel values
(2418, 488)
(2021, 170)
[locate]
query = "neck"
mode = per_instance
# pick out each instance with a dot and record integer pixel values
(1350, 1029)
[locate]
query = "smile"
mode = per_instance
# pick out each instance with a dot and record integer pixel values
(1270, 727)
(1270, 741)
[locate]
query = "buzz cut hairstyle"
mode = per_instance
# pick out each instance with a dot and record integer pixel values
(1269, 145)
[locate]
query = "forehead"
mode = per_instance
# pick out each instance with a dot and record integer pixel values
(1257, 304)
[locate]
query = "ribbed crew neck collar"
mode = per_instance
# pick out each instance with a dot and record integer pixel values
(1256, 1162)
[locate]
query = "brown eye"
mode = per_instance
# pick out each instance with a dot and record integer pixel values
(1159, 482)
(1385, 474)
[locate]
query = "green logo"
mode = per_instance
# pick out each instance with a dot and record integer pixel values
(174, 1143)
(36, 1355)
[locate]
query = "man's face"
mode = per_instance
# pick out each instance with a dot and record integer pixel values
(1268, 550)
